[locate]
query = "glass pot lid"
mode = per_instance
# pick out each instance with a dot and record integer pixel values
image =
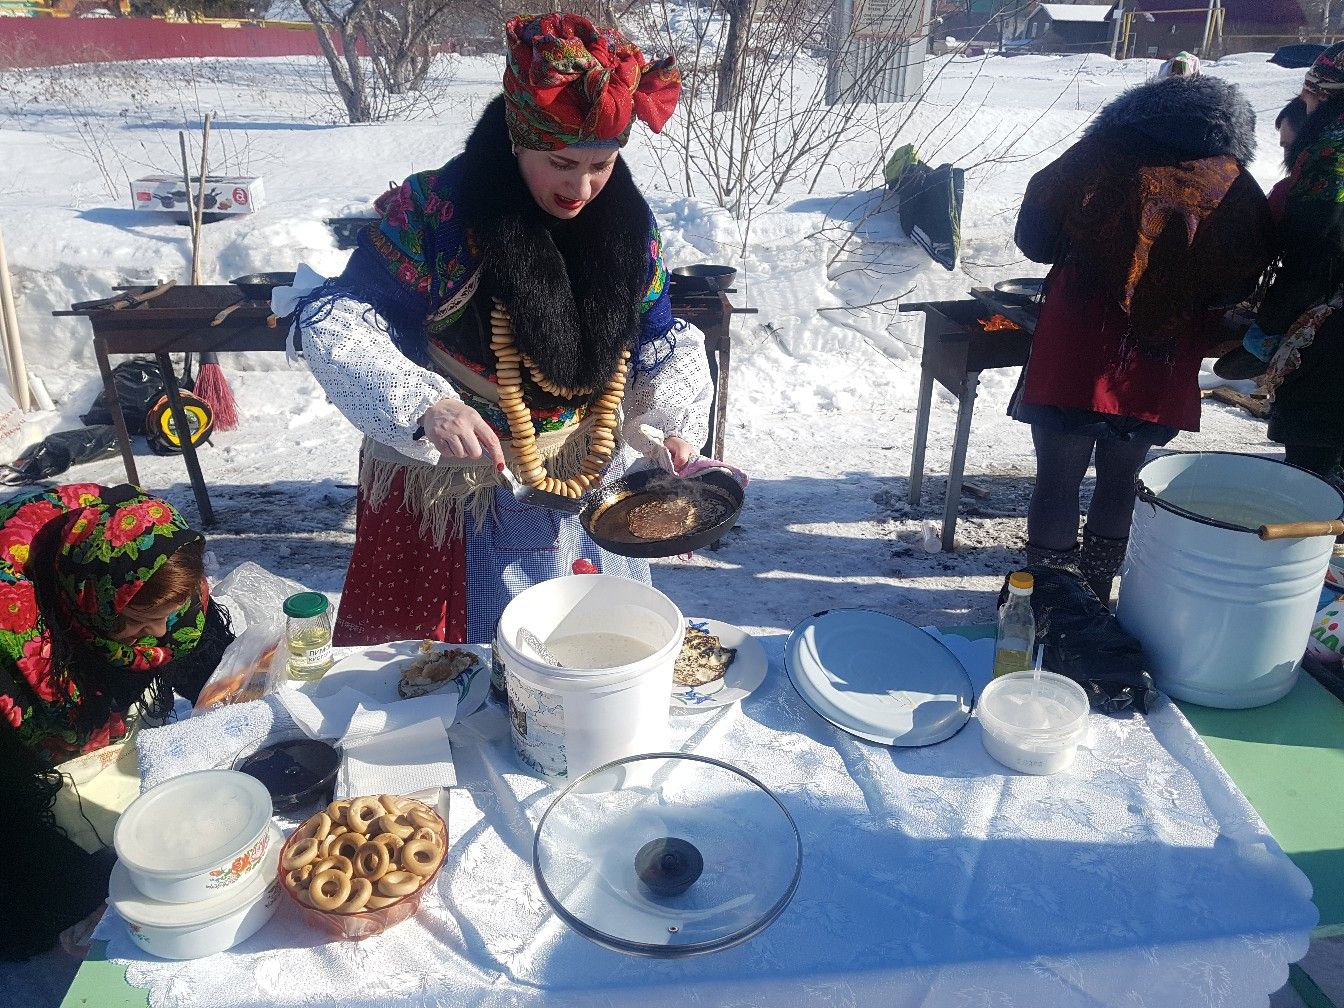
(667, 855)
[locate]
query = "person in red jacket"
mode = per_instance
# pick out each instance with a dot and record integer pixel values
(1151, 223)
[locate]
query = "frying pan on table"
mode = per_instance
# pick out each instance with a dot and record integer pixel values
(258, 286)
(605, 512)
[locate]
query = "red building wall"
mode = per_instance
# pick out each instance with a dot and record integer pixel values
(46, 41)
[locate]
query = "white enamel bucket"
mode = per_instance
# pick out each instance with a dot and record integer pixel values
(567, 721)
(1223, 615)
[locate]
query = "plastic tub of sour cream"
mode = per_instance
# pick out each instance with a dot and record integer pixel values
(1033, 725)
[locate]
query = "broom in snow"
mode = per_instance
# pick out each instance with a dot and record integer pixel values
(212, 384)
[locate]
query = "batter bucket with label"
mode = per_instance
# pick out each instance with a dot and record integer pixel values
(1220, 585)
(607, 696)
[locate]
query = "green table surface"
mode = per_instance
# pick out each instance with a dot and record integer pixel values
(1287, 758)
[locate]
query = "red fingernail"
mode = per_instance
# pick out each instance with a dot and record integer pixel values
(500, 467)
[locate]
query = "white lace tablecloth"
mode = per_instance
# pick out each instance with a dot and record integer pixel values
(931, 877)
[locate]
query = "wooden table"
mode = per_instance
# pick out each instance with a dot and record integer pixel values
(956, 350)
(181, 320)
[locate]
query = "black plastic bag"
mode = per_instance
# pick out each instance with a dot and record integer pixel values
(57, 452)
(139, 384)
(930, 209)
(1085, 642)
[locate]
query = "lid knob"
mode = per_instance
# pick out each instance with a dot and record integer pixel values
(668, 866)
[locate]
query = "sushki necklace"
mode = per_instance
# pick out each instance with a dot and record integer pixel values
(509, 364)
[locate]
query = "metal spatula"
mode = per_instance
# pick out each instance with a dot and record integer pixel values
(542, 498)
(531, 495)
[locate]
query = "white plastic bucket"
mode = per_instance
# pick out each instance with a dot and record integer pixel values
(567, 721)
(1223, 615)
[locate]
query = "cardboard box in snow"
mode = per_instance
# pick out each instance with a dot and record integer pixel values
(224, 194)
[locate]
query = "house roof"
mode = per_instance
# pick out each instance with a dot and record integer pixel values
(1282, 13)
(1086, 13)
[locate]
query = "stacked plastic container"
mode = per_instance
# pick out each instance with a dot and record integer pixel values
(197, 869)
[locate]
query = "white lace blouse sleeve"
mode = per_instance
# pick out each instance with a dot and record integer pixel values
(676, 399)
(368, 379)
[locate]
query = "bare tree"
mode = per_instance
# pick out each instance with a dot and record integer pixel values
(347, 72)
(760, 113)
(401, 38)
(378, 50)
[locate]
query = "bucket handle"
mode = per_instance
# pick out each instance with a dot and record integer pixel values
(1301, 530)
(1154, 501)
(1285, 530)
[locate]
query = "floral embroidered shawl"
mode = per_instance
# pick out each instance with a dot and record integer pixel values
(112, 541)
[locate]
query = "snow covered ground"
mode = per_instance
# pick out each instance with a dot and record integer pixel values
(822, 402)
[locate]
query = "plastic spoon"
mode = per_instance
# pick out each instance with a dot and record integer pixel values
(527, 637)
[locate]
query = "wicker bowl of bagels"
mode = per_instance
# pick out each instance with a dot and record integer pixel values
(361, 865)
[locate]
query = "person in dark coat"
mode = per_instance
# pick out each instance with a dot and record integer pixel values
(1305, 298)
(1151, 223)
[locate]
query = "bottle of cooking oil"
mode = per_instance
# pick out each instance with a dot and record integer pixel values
(1017, 627)
(308, 634)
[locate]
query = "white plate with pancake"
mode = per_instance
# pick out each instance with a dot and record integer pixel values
(375, 671)
(745, 672)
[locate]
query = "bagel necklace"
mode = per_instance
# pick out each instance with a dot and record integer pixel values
(509, 362)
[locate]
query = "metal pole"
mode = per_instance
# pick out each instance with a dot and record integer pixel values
(1118, 17)
(1208, 32)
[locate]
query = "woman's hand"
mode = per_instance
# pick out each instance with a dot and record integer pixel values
(680, 451)
(458, 431)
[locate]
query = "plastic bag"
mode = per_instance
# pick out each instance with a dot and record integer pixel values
(254, 663)
(1326, 643)
(138, 384)
(57, 452)
(1084, 641)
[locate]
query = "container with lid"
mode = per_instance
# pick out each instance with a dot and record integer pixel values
(192, 837)
(1033, 721)
(1017, 626)
(296, 769)
(194, 930)
(667, 855)
(308, 635)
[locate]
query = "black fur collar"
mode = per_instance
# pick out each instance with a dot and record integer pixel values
(573, 288)
(1199, 117)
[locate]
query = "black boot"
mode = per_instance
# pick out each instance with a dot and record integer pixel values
(1099, 561)
(1039, 556)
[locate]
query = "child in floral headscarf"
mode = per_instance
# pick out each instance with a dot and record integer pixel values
(103, 608)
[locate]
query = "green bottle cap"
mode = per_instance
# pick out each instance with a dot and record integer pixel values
(306, 604)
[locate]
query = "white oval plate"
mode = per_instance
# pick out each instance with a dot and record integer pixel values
(878, 677)
(745, 673)
(375, 671)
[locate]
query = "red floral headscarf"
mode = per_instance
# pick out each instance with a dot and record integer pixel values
(112, 540)
(568, 83)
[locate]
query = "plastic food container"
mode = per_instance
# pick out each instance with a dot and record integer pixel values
(366, 923)
(567, 721)
(194, 930)
(194, 836)
(1033, 727)
(295, 769)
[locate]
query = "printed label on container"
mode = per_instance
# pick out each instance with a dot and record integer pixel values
(537, 722)
(311, 657)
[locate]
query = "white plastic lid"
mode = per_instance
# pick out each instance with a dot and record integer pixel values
(132, 904)
(192, 823)
(1017, 704)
